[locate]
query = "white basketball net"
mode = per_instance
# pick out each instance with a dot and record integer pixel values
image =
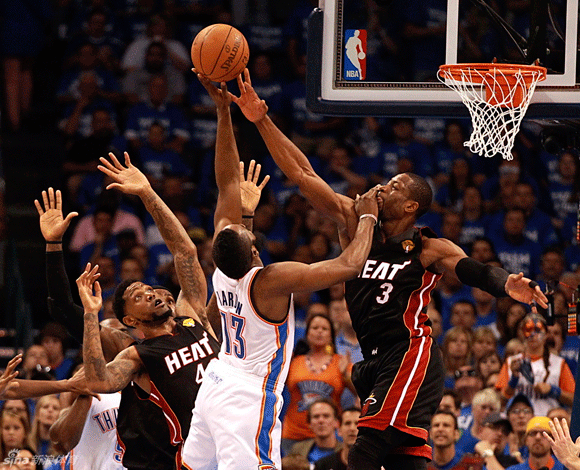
(495, 124)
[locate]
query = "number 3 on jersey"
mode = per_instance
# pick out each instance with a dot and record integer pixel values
(234, 340)
(384, 297)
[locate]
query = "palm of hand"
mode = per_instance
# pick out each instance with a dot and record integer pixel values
(52, 224)
(132, 179)
(252, 106)
(250, 195)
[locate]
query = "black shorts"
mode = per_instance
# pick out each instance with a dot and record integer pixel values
(402, 388)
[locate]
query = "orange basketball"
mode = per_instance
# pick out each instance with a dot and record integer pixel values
(220, 52)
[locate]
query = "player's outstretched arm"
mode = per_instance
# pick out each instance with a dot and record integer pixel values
(130, 180)
(67, 430)
(446, 255)
(285, 278)
(102, 377)
(292, 161)
(62, 308)
(228, 209)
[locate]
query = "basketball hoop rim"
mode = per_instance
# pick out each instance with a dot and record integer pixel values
(530, 73)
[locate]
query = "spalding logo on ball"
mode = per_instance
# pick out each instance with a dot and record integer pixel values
(220, 52)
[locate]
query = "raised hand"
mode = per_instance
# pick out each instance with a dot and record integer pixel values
(78, 384)
(367, 203)
(525, 290)
(254, 108)
(565, 449)
(220, 96)
(86, 282)
(249, 188)
(128, 179)
(52, 223)
(7, 378)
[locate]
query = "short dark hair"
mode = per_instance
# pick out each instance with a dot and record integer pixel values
(232, 254)
(421, 193)
(350, 409)
(328, 401)
(119, 301)
(447, 413)
(453, 394)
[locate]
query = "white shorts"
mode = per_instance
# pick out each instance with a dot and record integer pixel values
(235, 423)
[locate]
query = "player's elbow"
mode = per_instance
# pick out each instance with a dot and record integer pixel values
(60, 444)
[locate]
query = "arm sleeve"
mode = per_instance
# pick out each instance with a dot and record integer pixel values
(60, 302)
(491, 279)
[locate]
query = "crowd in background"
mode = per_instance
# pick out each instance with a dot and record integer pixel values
(126, 85)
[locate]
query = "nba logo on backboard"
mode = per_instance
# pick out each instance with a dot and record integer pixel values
(355, 48)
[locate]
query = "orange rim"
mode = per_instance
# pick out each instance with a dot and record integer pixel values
(528, 72)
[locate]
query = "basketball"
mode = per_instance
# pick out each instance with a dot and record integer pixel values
(220, 52)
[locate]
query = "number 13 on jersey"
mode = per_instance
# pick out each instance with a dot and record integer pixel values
(233, 327)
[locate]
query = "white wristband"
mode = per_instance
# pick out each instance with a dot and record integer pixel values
(370, 216)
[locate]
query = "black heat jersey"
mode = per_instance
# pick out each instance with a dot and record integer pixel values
(400, 381)
(176, 365)
(143, 433)
(388, 300)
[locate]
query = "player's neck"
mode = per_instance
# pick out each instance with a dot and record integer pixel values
(392, 228)
(165, 328)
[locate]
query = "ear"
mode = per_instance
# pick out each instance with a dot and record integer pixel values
(411, 206)
(457, 434)
(129, 321)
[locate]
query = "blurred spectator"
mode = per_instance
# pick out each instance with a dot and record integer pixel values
(339, 174)
(157, 160)
(450, 290)
(552, 266)
(467, 384)
(295, 33)
(99, 33)
(488, 364)
(46, 413)
(17, 406)
(475, 222)
(539, 227)
(485, 309)
(450, 402)
(485, 402)
(85, 231)
(482, 250)
(136, 82)
(157, 109)
(35, 357)
(560, 413)
(436, 322)
(22, 38)
(78, 115)
(347, 431)
(507, 323)
(322, 418)
(443, 434)
(54, 338)
(450, 195)
(516, 252)
(157, 31)
(105, 242)
(513, 347)
(463, 314)
(456, 352)
(571, 343)
(539, 374)
(403, 153)
(538, 446)
(494, 437)
(319, 373)
(451, 226)
(86, 62)
(83, 155)
(565, 191)
(483, 343)
(14, 432)
(519, 411)
(131, 268)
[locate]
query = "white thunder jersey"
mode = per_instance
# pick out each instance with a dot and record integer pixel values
(98, 447)
(250, 342)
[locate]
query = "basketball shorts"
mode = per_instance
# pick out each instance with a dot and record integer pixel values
(235, 423)
(402, 388)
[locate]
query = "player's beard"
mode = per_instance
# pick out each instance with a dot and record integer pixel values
(158, 319)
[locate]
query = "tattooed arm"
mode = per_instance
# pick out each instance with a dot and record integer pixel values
(130, 180)
(100, 376)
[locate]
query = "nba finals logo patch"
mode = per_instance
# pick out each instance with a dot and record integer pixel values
(408, 245)
(189, 322)
(355, 48)
(267, 467)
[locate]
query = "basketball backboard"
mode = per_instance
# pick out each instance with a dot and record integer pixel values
(399, 47)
